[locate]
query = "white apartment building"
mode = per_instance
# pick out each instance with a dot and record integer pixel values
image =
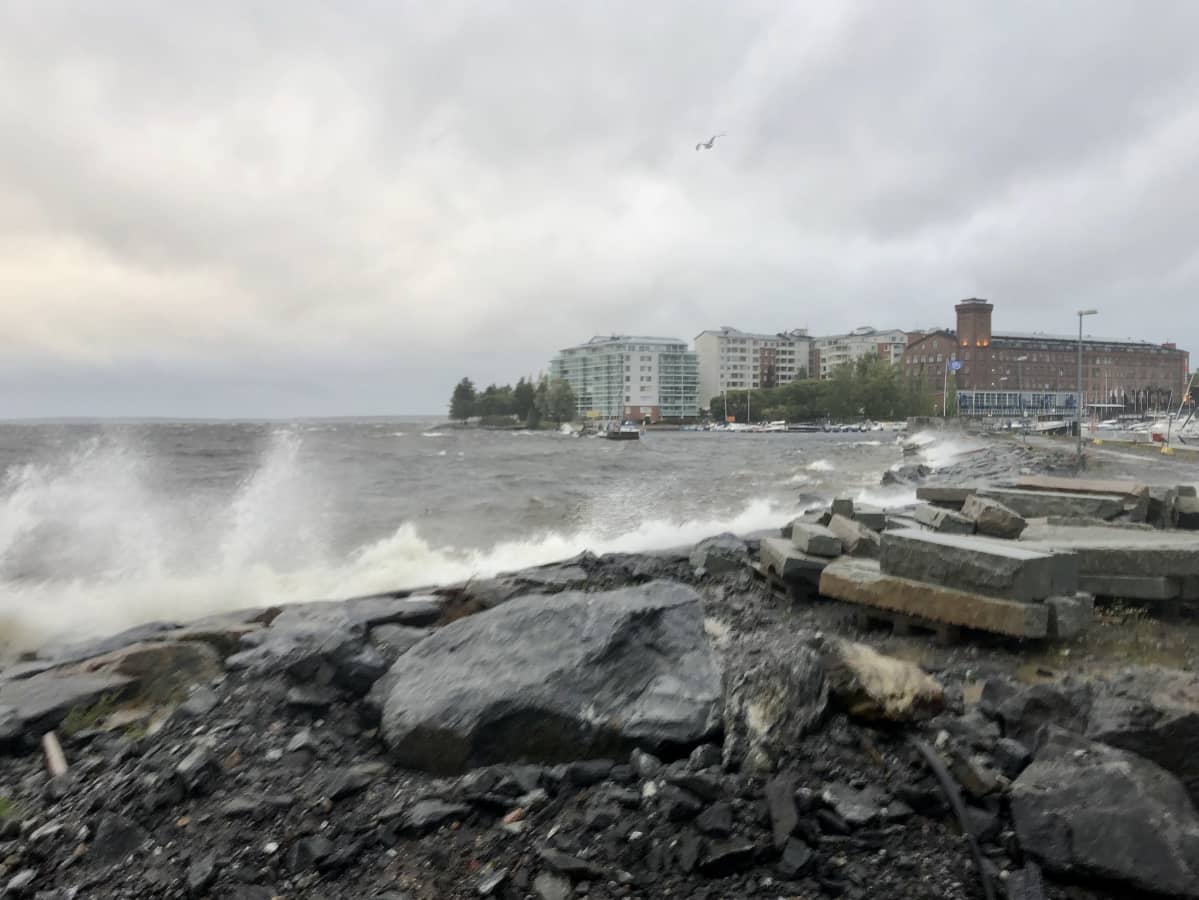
(737, 360)
(832, 351)
(631, 377)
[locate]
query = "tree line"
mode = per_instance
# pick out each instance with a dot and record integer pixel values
(869, 388)
(527, 402)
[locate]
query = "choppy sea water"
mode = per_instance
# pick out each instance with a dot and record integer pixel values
(107, 525)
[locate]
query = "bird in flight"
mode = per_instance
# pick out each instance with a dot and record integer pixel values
(710, 142)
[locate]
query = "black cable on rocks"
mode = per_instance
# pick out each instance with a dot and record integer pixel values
(950, 789)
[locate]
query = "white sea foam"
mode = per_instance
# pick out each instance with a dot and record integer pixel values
(89, 546)
(433, 434)
(820, 465)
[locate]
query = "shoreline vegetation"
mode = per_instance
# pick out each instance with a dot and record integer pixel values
(868, 389)
(703, 722)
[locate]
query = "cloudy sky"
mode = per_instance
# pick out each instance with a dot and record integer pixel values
(308, 208)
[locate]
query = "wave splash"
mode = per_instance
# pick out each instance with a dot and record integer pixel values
(91, 543)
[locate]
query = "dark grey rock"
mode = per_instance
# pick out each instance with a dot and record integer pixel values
(311, 696)
(1153, 712)
(646, 765)
(20, 883)
(720, 555)
(198, 771)
(1011, 756)
(678, 805)
(725, 857)
(425, 815)
(33, 706)
(393, 641)
(1085, 809)
(716, 820)
(771, 705)
(346, 782)
(306, 640)
(116, 837)
(359, 672)
(308, 853)
(797, 859)
(571, 866)
(546, 679)
(1027, 710)
(587, 772)
(705, 786)
(705, 756)
(784, 814)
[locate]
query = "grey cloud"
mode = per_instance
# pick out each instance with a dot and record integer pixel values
(294, 194)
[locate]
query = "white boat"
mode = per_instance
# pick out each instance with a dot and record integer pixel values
(776, 426)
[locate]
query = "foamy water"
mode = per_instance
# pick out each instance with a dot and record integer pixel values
(104, 531)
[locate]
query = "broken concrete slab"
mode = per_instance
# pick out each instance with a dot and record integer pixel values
(1070, 616)
(856, 538)
(861, 581)
(778, 557)
(1111, 551)
(952, 497)
(980, 565)
(873, 517)
(945, 521)
(1130, 587)
(1128, 489)
(1032, 504)
(1186, 511)
(815, 539)
(992, 518)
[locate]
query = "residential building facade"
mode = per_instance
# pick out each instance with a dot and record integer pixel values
(835, 350)
(735, 360)
(629, 377)
(1011, 373)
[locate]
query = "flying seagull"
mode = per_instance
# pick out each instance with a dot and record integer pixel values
(711, 141)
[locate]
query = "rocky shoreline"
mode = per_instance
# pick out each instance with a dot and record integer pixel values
(659, 725)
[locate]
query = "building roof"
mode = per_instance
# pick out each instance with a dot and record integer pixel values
(601, 340)
(730, 331)
(1041, 337)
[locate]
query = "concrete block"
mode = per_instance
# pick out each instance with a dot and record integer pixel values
(856, 538)
(842, 506)
(861, 581)
(1131, 587)
(1186, 490)
(1033, 504)
(978, 565)
(1127, 489)
(778, 557)
(873, 517)
(993, 518)
(1161, 512)
(1120, 551)
(945, 521)
(1070, 616)
(811, 517)
(952, 497)
(1186, 511)
(815, 539)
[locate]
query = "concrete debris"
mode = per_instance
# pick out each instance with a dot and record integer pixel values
(945, 521)
(856, 538)
(992, 518)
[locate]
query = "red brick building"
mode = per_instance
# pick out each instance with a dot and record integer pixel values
(1008, 372)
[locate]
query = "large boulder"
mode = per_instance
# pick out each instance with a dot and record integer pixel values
(1091, 811)
(720, 554)
(771, 705)
(1153, 712)
(555, 678)
(874, 687)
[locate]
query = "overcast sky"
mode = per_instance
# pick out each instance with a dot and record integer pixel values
(309, 208)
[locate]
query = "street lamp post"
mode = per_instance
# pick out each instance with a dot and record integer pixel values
(1078, 402)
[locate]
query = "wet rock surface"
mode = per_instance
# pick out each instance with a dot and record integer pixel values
(607, 727)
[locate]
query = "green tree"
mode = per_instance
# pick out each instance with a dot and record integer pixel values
(522, 399)
(463, 400)
(556, 399)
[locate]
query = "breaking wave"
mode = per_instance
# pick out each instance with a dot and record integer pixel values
(819, 465)
(89, 545)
